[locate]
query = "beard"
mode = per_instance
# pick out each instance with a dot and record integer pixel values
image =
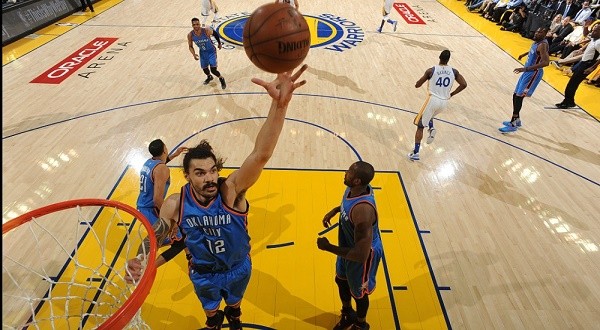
(206, 191)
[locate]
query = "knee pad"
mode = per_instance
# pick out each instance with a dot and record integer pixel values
(344, 289)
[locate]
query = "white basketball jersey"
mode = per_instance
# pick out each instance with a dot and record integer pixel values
(290, 2)
(440, 83)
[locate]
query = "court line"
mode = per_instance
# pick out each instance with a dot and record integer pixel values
(298, 120)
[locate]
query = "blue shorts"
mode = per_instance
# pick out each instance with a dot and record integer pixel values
(208, 59)
(151, 213)
(211, 288)
(528, 82)
(360, 276)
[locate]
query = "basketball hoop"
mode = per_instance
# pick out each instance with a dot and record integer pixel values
(62, 270)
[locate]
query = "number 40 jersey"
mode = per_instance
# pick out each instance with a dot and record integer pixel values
(440, 83)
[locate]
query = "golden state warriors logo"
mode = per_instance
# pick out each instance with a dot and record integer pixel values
(328, 31)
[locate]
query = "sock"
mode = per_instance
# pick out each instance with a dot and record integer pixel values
(417, 147)
(430, 124)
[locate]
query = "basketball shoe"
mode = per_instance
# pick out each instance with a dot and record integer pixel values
(509, 123)
(379, 30)
(208, 79)
(223, 84)
(357, 326)
(413, 156)
(215, 322)
(348, 319)
(510, 126)
(431, 136)
(232, 318)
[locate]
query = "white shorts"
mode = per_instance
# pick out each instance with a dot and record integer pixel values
(387, 7)
(207, 8)
(433, 105)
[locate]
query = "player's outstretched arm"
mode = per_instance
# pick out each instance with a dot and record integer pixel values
(281, 90)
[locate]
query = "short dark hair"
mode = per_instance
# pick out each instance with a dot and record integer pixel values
(195, 19)
(202, 151)
(445, 56)
(364, 171)
(156, 147)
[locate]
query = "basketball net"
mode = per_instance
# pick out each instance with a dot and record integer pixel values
(64, 267)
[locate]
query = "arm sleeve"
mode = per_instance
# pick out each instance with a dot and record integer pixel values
(174, 250)
(216, 35)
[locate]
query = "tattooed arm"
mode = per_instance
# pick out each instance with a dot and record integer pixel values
(169, 215)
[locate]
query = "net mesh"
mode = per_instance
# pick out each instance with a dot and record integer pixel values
(66, 270)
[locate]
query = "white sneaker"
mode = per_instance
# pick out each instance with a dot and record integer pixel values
(431, 136)
(413, 156)
(395, 25)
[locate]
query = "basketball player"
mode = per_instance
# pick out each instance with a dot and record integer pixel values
(441, 78)
(533, 71)
(387, 9)
(360, 249)
(293, 3)
(200, 35)
(207, 7)
(155, 179)
(211, 212)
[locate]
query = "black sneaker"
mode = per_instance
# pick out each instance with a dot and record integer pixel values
(348, 319)
(215, 322)
(234, 321)
(363, 326)
(208, 79)
(223, 84)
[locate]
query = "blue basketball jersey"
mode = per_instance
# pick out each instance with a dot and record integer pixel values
(346, 232)
(204, 42)
(534, 56)
(146, 197)
(216, 235)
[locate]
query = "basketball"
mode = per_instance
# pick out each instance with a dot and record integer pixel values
(276, 37)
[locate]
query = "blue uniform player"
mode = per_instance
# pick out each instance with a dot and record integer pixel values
(201, 36)
(211, 213)
(155, 179)
(360, 249)
(537, 58)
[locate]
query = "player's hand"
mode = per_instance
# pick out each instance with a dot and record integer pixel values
(323, 243)
(134, 271)
(179, 151)
(520, 57)
(220, 45)
(196, 57)
(282, 88)
(327, 220)
(519, 70)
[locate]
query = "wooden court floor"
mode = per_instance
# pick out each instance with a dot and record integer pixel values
(486, 231)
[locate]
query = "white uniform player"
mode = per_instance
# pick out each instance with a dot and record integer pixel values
(441, 78)
(293, 3)
(209, 6)
(387, 9)
(439, 88)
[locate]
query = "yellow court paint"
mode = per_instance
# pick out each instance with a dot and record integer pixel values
(15, 50)
(515, 45)
(292, 287)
